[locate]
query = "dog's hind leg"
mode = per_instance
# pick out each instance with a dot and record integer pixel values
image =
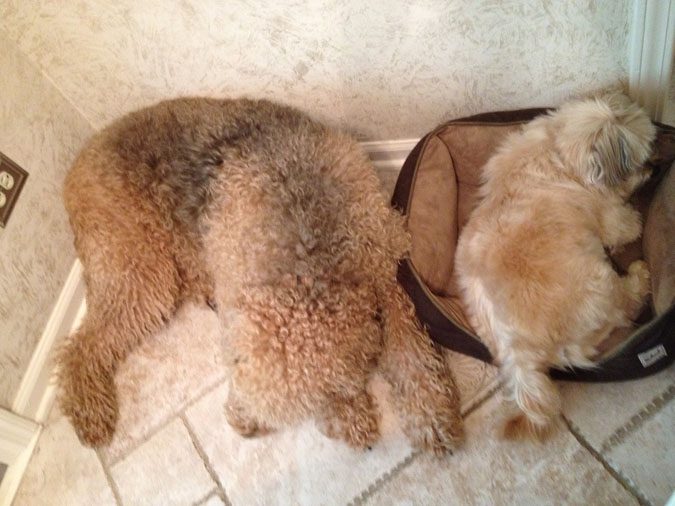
(124, 304)
(352, 419)
(423, 388)
(132, 287)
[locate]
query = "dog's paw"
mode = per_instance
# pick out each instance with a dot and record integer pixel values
(362, 434)
(96, 431)
(357, 431)
(621, 226)
(440, 435)
(356, 422)
(243, 425)
(639, 277)
(250, 430)
(91, 407)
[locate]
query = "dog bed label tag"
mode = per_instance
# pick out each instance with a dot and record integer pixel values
(650, 356)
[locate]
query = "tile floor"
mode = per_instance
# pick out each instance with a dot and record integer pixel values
(615, 445)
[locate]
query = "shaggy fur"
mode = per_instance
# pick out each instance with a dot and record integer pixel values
(531, 263)
(279, 223)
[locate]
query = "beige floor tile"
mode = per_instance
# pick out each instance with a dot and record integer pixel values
(164, 471)
(489, 471)
(62, 472)
(597, 410)
(164, 374)
(295, 466)
(647, 456)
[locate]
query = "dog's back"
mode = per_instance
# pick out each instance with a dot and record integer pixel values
(280, 222)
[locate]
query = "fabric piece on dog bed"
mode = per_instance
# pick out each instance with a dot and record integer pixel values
(659, 243)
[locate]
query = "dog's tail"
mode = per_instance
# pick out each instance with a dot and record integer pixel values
(424, 390)
(533, 391)
(86, 387)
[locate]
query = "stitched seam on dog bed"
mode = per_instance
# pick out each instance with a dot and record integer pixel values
(411, 188)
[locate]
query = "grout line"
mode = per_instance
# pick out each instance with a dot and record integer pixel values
(382, 480)
(385, 478)
(166, 422)
(205, 459)
(111, 482)
(639, 419)
(211, 493)
(479, 399)
(615, 473)
(140, 442)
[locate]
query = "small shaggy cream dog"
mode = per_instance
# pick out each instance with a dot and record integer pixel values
(531, 261)
(278, 222)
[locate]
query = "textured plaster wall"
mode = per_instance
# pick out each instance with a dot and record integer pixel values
(384, 69)
(41, 132)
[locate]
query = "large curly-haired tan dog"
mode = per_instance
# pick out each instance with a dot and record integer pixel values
(278, 222)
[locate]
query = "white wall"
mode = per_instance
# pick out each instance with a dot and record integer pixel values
(383, 68)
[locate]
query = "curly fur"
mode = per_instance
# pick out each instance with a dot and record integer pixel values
(531, 261)
(278, 222)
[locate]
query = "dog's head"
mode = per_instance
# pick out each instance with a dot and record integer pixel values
(605, 141)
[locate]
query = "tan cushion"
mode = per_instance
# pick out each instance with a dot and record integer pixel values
(659, 243)
(443, 195)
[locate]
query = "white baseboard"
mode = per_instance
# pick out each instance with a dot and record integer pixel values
(16, 433)
(20, 430)
(389, 155)
(18, 437)
(14, 473)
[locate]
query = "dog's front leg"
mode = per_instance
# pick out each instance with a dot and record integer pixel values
(620, 224)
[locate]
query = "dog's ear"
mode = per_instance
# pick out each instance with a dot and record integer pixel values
(603, 140)
(610, 161)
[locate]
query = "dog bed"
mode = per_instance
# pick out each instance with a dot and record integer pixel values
(436, 190)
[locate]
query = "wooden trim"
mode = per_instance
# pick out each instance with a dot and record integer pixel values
(389, 155)
(14, 474)
(15, 434)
